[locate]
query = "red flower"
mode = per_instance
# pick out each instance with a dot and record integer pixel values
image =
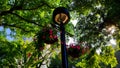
(51, 36)
(48, 36)
(74, 51)
(71, 46)
(78, 47)
(55, 37)
(50, 32)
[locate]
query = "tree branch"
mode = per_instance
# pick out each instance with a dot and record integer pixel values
(44, 57)
(10, 12)
(13, 25)
(4, 12)
(29, 21)
(20, 7)
(33, 8)
(37, 7)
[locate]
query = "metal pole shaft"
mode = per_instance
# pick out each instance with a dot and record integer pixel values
(63, 47)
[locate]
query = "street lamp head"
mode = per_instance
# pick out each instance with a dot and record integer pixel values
(61, 15)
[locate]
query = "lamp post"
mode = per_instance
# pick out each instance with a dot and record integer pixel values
(61, 17)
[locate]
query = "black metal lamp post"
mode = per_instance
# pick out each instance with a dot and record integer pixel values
(61, 17)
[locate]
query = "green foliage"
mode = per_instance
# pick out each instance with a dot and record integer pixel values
(25, 18)
(107, 54)
(100, 61)
(93, 62)
(55, 62)
(70, 32)
(97, 61)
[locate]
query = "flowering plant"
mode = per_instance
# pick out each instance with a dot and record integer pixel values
(74, 50)
(46, 35)
(49, 36)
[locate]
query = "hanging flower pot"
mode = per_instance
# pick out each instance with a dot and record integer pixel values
(46, 35)
(74, 50)
(49, 36)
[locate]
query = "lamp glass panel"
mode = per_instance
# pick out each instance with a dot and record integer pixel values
(61, 18)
